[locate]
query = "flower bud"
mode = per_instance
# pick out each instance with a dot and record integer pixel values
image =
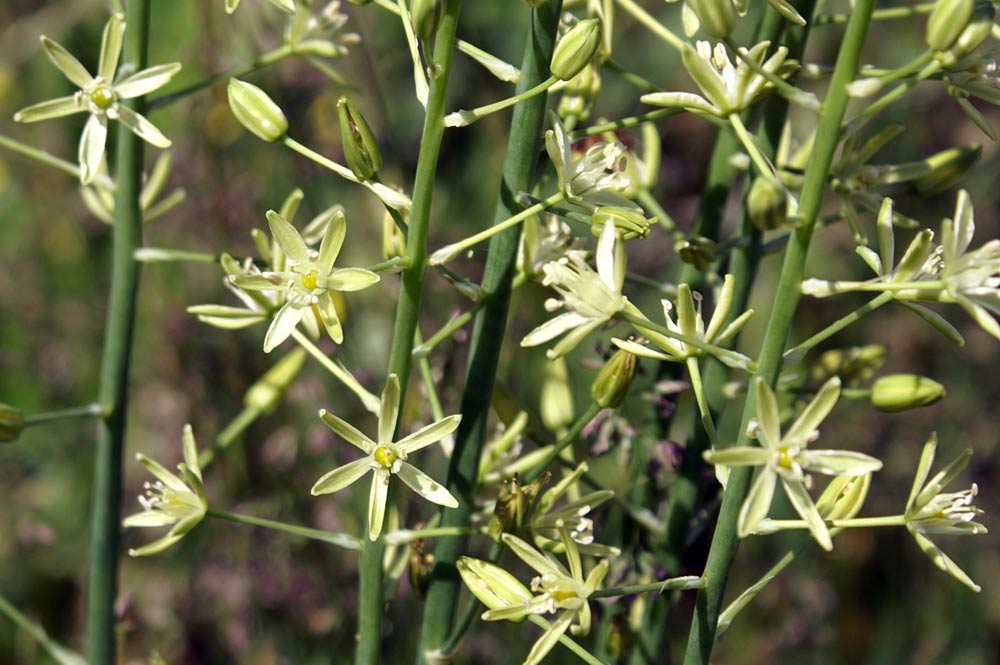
(492, 585)
(947, 168)
(613, 381)
(421, 564)
(844, 497)
(360, 147)
(629, 223)
(426, 16)
(514, 506)
(256, 111)
(698, 251)
(393, 240)
(854, 365)
(976, 31)
(901, 392)
(717, 17)
(556, 398)
(270, 388)
(767, 204)
(11, 422)
(575, 50)
(580, 93)
(947, 21)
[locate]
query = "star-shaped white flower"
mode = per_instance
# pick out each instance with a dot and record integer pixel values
(597, 178)
(591, 297)
(929, 511)
(171, 500)
(308, 280)
(100, 96)
(386, 458)
(788, 458)
(727, 88)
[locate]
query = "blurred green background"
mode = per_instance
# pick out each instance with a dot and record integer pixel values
(232, 594)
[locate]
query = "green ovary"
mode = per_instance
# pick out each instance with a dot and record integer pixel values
(310, 280)
(385, 456)
(102, 97)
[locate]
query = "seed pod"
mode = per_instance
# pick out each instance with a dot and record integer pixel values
(256, 111)
(901, 392)
(613, 381)
(767, 204)
(575, 50)
(947, 168)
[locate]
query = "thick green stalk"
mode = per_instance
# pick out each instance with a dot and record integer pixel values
(487, 336)
(102, 581)
(412, 282)
(724, 541)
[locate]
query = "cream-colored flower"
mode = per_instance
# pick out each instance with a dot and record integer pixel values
(171, 500)
(386, 458)
(100, 96)
(597, 178)
(929, 511)
(590, 297)
(788, 458)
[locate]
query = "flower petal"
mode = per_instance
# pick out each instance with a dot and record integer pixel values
(191, 451)
(430, 434)
(148, 518)
(111, 47)
(532, 557)
(549, 638)
(814, 413)
(141, 127)
(758, 502)
(942, 560)
(287, 237)
(684, 100)
(553, 328)
(376, 503)
(53, 108)
(425, 486)
(767, 415)
(156, 546)
(389, 412)
(147, 80)
(333, 240)
(739, 456)
(838, 462)
(67, 63)
(283, 324)
(347, 431)
(804, 506)
(328, 312)
(351, 279)
(161, 473)
(341, 477)
(92, 141)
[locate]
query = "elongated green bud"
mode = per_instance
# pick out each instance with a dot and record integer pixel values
(515, 506)
(360, 147)
(492, 585)
(767, 204)
(11, 422)
(947, 21)
(947, 168)
(613, 381)
(426, 16)
(265, 395)
(977, 29)
(844, 497)
(575, 50)
(256, 111)
(630, 223)
(901, 392)
(717, 17)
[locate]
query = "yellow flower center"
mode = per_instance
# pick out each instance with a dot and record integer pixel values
(785, 460)
(384, 456)
(103, 97)
(563, 594)
(310, 280)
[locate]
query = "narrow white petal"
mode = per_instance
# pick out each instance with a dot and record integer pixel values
(804, 506)
(67, 63)
(282, 325)
(333, 240)
(425, 486)
(287, 237)
(767, 414)
(376, 503)
(147, 80)
(92, 142)
(53, 108)
(815, 412)
(430, 434)
(553, 328)
(111, 47)
(758, 502)
(341, 477)
(389, 412)
(141, 127)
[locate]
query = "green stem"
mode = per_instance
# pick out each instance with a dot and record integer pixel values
(724, 540)
(50, 160)
(228, 435)
(449, 252)
(262, 61)
(464, 118)
(673, 584)
(409, 535)
(369, 401)
(102, 581)
(698, 388)
(649, 202)
(761, 162)
(412, 282)
(86, 411)
(523, 146)
(792, 355)
(641, 323)
(346, 541)
(855, 523)
(885, 287)
(56, 651)
(651, 24)
(624, 123)
(881, 14)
